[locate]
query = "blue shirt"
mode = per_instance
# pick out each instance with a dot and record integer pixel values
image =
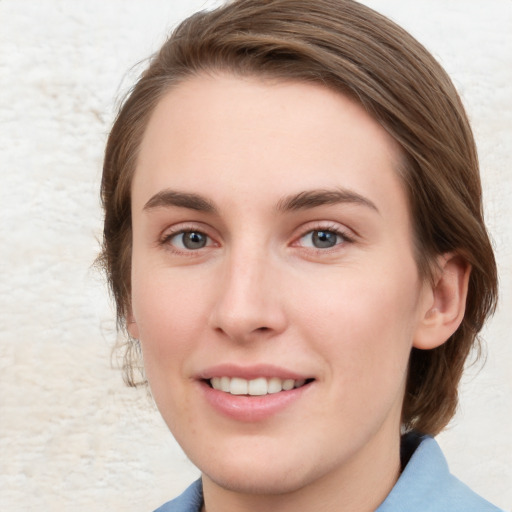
(425, 485)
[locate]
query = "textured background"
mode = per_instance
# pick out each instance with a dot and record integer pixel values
(71, 435)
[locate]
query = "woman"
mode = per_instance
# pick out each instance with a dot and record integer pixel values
(295, 242)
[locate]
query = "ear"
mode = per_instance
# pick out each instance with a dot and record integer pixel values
(131, 325)
(446, 302)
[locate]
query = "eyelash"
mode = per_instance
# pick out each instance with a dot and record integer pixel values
(326, 228)
(166, 239)
(334, 229)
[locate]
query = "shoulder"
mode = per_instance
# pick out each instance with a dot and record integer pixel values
(426, 484)
(190, 501)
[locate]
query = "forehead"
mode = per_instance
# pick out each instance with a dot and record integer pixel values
(224, 134)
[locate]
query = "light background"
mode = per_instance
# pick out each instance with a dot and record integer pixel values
(72, 437)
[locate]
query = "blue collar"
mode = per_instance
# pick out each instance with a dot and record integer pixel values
(426, 484)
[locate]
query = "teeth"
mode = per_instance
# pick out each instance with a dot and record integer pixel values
(257, 387)
(288, 384)
(239, 386)
(275, 385)
(254, 387)
(225, 384)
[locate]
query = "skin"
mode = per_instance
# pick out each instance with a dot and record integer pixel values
(260, 292)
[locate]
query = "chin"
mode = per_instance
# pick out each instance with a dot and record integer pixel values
(263, 475)
(259, 482)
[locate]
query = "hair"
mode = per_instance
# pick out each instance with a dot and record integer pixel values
(351, 49)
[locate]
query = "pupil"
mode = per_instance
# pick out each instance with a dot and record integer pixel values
(324, 239)
(194, 240)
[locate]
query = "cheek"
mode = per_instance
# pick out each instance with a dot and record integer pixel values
(169, 319)
(169, 315)
(365, 321)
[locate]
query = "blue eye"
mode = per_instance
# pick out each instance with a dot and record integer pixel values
(189, 240)
(321, 239)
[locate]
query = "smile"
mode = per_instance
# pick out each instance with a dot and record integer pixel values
(255, 387)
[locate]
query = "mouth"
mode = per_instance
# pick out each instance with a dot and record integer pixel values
(255, 387)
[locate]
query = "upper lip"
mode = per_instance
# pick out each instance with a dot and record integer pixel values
(250, 372)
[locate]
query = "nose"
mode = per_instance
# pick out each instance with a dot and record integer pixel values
(250, 301)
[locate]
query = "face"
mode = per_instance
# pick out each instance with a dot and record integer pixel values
(274, 288)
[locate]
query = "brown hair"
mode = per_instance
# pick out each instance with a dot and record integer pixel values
(356, 51)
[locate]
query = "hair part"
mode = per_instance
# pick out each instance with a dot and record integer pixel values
(351, 49)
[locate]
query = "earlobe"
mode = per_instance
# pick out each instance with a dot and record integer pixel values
(445, 311)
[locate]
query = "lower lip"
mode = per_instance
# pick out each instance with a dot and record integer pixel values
(251, 409)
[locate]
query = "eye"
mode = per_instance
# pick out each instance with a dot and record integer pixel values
(321, 239)
(189, 240)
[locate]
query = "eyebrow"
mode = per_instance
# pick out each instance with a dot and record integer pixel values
(314, 198)
(301, 201)
(167, 198)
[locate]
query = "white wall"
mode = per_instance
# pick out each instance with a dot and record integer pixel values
(72, 437)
